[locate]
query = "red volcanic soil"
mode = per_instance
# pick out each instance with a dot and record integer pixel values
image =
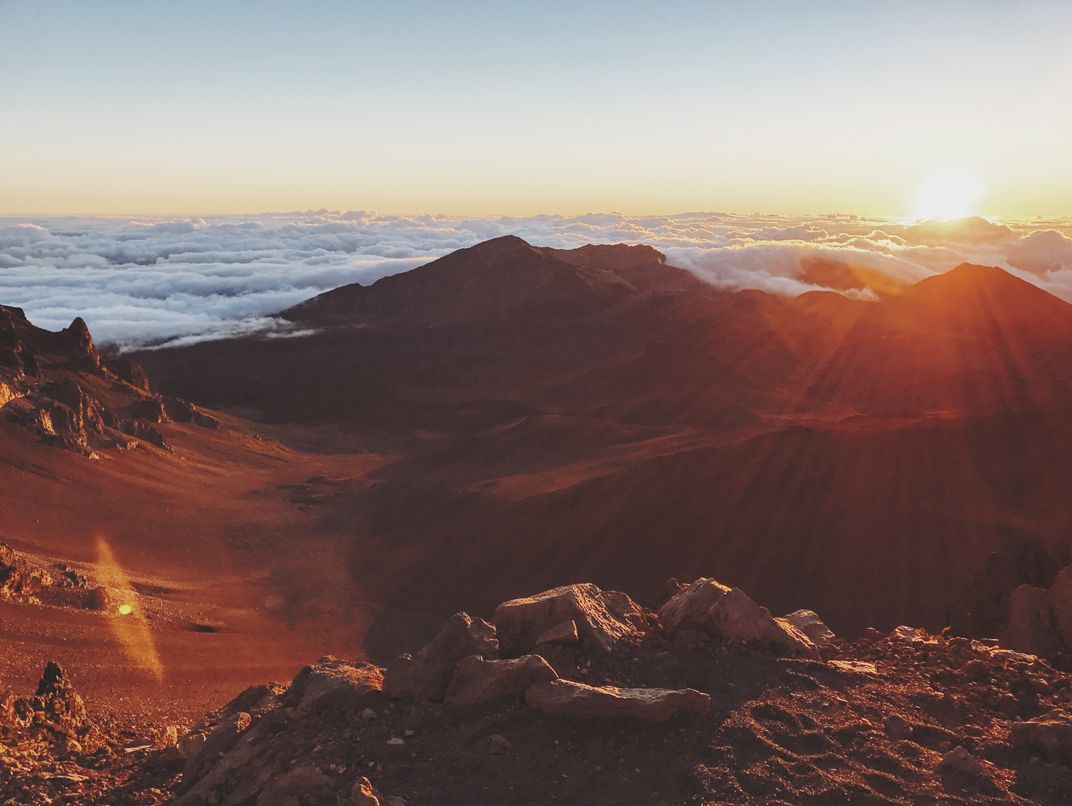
(558, 416)
(235, 585)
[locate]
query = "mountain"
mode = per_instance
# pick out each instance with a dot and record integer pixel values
(597, 414)
(496, 279)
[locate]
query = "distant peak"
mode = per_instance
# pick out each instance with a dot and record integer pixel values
(987, 289)
(504, 243)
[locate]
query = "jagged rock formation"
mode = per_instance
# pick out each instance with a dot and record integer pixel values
(56, 386)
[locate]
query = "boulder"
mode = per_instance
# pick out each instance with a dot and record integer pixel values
(428, 673)
(730, 614)
(1050, 734)
(567, 698)
(602, 618)
(1029, 623)
(477, 680)
(736, 617)
(689, 606)
(333, 684)
(809, 623)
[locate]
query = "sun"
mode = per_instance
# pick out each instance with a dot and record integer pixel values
(948, 194)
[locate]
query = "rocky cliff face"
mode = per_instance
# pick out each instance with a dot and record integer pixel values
(55, 385)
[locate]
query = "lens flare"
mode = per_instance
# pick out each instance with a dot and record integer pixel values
(129, 625)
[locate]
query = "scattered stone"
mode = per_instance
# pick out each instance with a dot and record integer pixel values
(910, 635)
(854, 666)
(960, 761)
(396, 740)
(477, 680)
(568, 698)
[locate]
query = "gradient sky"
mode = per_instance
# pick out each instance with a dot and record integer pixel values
(522, 107)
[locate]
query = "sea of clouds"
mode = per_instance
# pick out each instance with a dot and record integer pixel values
(155, 281)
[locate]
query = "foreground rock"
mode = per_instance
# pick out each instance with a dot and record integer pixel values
(567, 698)
(477, 680)
(906, 717)
(731, 615)
(429, 672)
(601, 619)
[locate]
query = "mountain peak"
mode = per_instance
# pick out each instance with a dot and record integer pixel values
(969, 280)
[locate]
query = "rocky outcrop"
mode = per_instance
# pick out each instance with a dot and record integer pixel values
(602, 619)
(429, 672)
(54, 385)
(905, 717)
(730, 615)
(182, 411)
(571, 699)
(130, 371)
(329, 683)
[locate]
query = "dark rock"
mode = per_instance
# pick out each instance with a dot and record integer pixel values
(603, 619)
(428, 673)
(477, 680)
(567, 698)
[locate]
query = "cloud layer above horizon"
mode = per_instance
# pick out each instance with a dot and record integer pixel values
(143, 281)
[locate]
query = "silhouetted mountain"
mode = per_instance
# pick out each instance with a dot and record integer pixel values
(597, 414)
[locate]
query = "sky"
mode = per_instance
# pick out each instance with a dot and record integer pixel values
(494, 109)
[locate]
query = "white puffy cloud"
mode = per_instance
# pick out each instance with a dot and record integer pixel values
(167, 280)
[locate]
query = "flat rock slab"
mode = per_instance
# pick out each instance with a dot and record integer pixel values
(567, 698)
(854, 666)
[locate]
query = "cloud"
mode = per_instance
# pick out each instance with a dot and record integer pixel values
(178, 280)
